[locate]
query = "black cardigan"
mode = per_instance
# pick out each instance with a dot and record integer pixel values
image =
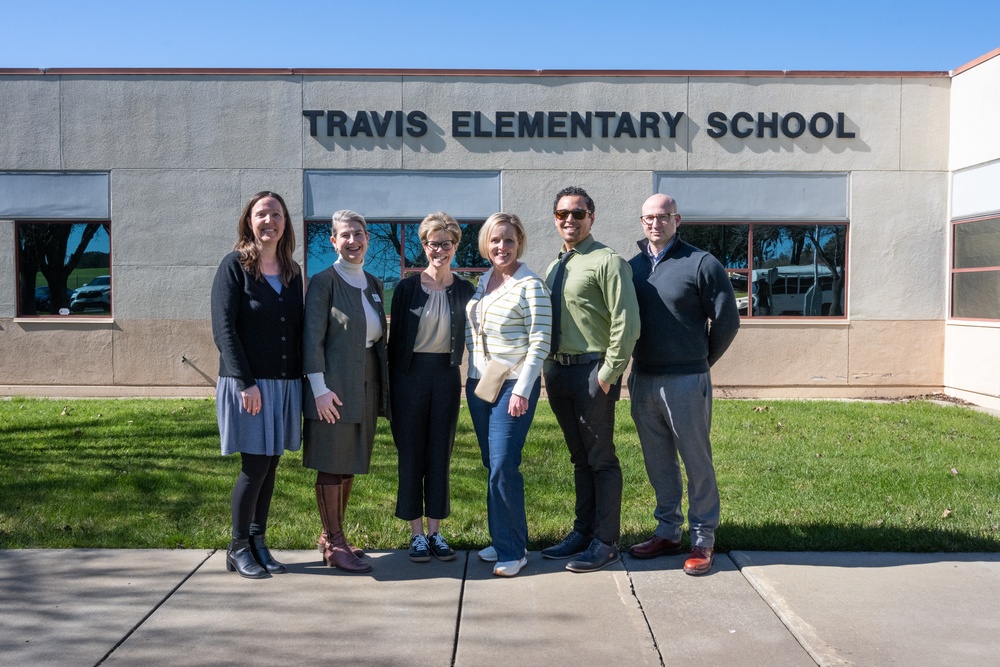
(258, 332)
(408, 302)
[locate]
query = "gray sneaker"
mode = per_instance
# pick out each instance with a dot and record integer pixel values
(573, 544)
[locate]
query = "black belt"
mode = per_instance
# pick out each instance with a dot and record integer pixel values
(575, 359)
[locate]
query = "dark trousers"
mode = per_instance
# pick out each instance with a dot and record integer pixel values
(425, 403)
(252, 494)
(587, 418)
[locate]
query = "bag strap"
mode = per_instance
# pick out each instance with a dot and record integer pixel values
(482, 333)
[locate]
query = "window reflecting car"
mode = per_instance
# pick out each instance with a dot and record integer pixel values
(43, 298)
(95, 294)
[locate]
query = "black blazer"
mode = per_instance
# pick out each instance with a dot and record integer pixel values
(407, 303)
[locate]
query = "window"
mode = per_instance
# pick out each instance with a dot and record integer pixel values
(63, 268)
(975, 272)
(394, 251)
(785, 270)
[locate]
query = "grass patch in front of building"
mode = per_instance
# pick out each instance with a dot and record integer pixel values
(793, 475)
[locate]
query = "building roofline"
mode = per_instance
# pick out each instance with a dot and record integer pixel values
(978, 61)
(485, 73)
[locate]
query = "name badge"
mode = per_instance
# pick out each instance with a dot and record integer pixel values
(376, 299)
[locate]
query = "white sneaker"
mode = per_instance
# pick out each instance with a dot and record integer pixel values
(489, 555)
(509, 568)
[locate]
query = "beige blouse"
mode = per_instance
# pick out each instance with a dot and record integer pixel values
(434, 330)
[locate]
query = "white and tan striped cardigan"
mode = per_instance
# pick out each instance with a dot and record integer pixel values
(517, 327)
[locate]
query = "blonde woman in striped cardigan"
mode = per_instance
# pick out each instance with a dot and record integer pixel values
(509, 320)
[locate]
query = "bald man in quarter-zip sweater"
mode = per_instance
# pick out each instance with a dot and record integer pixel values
(688, 318)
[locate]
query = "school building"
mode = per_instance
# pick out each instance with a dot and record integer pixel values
(858, 213)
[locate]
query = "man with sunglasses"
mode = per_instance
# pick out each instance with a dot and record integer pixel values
(594, 327)
(688, 317)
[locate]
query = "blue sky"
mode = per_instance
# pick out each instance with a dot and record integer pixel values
(516, 34)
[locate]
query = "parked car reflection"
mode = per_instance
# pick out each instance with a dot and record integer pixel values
(43, 298)
(94, 295)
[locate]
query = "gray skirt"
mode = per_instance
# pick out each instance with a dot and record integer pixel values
(344, 448)
(272, 431)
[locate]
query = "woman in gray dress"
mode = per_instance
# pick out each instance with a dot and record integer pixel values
(257, 326)
(344, 359)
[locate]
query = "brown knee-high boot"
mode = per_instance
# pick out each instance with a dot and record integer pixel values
(345, 492)
(329, 498)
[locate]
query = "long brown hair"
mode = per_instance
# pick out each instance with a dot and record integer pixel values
(246, 244)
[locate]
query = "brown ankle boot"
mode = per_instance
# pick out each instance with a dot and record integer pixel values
(336, 552)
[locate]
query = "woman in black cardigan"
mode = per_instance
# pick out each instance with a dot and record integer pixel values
(426, 343)
(257, 326)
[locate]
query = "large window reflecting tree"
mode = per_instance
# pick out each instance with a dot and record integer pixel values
(790, 270)
(394, 251)
(58, 261)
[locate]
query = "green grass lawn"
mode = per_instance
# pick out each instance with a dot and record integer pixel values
(809, 475)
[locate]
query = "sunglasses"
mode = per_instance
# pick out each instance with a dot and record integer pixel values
(577, 213)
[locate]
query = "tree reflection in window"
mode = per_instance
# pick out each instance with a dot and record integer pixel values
(57, 261)
(394, 251)
(779, 270)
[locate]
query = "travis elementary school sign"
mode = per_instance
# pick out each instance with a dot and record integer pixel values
(574, 124)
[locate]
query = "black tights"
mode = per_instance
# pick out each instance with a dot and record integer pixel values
(252, 494)
(331, 478)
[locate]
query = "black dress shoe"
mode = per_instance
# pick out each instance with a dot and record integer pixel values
(656, 546)
(263, 555)
(573, 544)
(598, 556)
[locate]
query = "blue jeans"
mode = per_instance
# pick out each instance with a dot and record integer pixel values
(501, 439)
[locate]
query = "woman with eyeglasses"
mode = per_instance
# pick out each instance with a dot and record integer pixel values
(509, 323)
(344, 359)
(426, 344)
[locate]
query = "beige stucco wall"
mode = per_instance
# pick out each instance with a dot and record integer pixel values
(184, 153)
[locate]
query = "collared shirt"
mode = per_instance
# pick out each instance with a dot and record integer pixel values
(599, 311)
(658, 257)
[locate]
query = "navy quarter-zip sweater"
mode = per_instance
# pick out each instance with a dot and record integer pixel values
(687, 310)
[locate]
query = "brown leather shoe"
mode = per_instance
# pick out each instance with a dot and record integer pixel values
(700, 561)
(656, 546)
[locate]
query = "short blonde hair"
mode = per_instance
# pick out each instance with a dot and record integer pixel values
(502, 219)
(439, 222)
(347, 215)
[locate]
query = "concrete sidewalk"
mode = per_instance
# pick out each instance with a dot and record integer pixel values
(177, 607)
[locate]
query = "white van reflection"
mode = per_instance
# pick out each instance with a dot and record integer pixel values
(792, 290)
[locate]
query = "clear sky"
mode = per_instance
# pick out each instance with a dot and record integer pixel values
(916, 35)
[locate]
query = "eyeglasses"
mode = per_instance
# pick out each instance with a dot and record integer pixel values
(577, 213)
(662, 218)
(440, 245)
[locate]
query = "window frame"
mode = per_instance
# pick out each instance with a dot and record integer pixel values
(107, 315)
(748, 272)
(953, 271)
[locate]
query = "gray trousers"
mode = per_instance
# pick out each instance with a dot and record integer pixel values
(673, 416)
